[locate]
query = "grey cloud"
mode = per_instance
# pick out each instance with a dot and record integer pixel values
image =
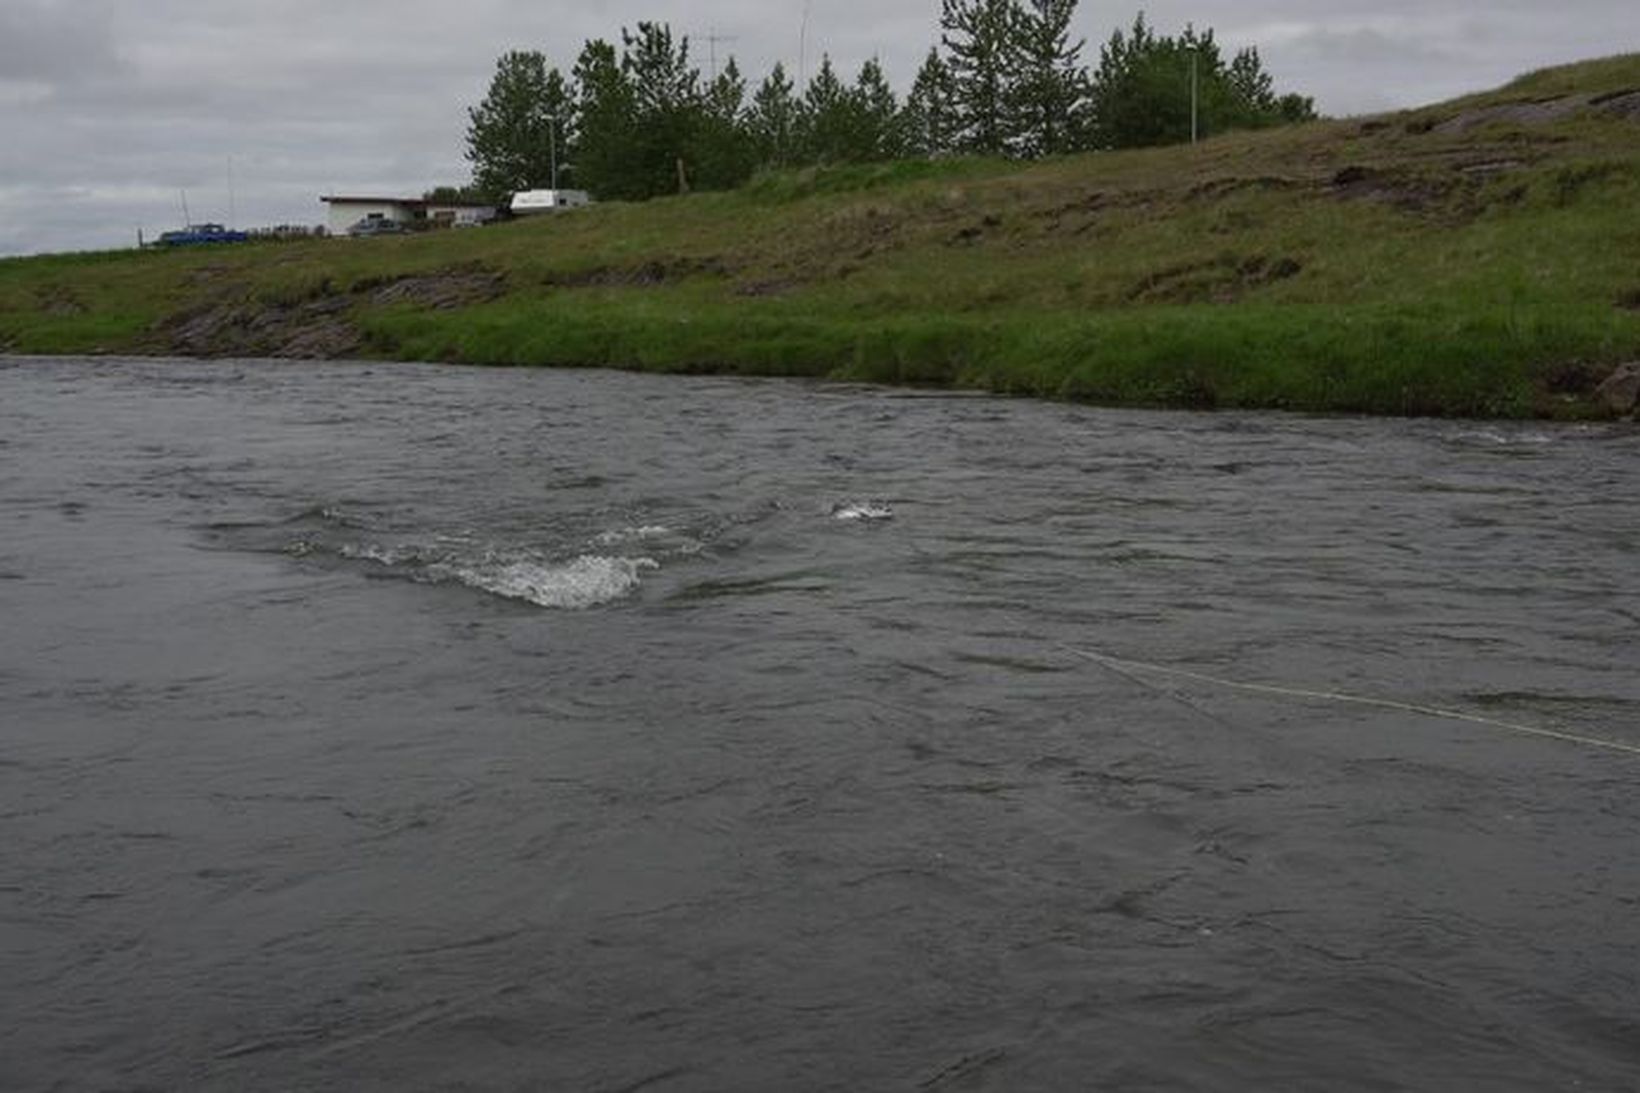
(52, 45)
(1364, 45)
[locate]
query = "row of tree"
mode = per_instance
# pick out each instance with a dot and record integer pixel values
(1006, 79)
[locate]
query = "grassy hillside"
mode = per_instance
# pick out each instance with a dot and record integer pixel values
(1479, 257)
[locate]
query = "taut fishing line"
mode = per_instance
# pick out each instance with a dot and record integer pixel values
(1132, 669)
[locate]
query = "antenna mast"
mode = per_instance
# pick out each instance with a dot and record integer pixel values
(803, 49)
(712, 39)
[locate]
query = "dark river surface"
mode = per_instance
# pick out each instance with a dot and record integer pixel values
(379, 727)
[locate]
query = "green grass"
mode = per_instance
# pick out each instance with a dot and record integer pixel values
(1402, 360)
(1596, 77)
(1388, 265)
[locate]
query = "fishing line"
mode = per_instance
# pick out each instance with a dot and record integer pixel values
(1129, 669)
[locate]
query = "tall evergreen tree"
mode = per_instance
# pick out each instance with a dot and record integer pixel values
(877, 129)
(721, 146)
(1249, 83)
(726, 94)
(980, 39)
(825, 118)
(508, 133)
(929, 121)
(772, 120)
(1049, 95)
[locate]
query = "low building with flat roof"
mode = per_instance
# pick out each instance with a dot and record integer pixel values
(345, 211)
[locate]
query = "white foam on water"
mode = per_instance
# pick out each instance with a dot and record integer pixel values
(371, 552)
(643, 532)
(1509, 438)
(862, 510)
(579, 583)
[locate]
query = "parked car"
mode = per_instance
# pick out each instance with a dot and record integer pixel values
(195, 234)
(375, 225)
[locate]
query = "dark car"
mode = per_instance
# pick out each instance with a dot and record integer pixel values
(196, 234)
(376, 225)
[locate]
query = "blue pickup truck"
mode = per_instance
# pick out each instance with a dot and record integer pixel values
(195, 234)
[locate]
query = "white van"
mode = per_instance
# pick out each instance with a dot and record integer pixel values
(527, 202)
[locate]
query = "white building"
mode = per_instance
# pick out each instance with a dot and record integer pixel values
(409, 211)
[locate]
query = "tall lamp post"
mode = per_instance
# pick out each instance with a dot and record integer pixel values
(552, 148)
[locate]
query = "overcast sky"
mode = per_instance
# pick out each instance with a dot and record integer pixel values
(112, 110)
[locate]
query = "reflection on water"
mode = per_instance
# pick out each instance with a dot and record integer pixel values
(404, 727)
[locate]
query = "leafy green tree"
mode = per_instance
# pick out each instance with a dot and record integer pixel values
(509, 136)
(637, 122)
(1253, 89)
(771, 120)
(666, 95)
(608, 118)
(563, 127)
(928, 121)
(980, 39)
(1135, 90)
(452, 195)
(1050, 91)
(1141, 93)
(1293, 107)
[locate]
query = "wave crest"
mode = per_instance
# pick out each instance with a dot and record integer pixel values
(862, 510)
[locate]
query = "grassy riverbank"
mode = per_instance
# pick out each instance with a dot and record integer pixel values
(1476, 257)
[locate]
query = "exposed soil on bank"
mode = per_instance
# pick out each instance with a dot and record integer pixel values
(321, 326)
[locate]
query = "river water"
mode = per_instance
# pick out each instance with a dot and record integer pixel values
(395, 727)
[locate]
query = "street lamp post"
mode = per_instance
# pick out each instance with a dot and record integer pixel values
(552, 148)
